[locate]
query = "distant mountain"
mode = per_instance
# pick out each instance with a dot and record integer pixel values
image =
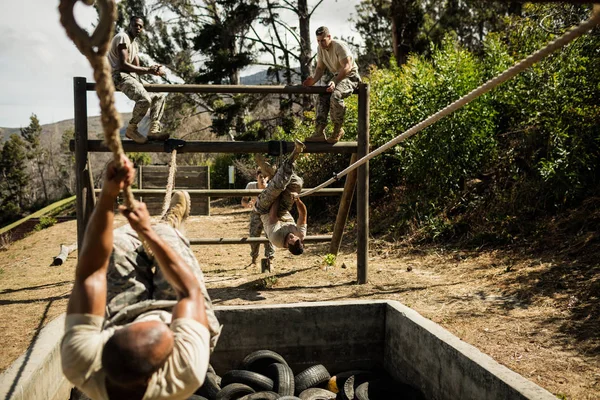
(261, 78)
(55, 130)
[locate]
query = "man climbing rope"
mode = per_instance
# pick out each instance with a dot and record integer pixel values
(275, 202)
(125, 62)
(256, 225)
(139, 321)
(334, 55)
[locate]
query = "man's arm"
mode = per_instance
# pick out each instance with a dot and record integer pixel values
(311, 80)
(126, 66)
(302, 215)
(341, 74)
(175, 270)
(89, 290)
(247, 202)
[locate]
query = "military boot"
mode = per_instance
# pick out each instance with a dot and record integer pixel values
(155, 132)
(265, 168)
(298, 148)
(319, 135)
(337, 134)
(179, 209)
(133, 134)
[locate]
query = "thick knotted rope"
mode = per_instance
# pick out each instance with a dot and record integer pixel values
(170, 184)
(486, 87)
(94, 48)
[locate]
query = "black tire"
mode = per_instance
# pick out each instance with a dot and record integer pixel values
(311, 377)
(258, 361)
(283, 379)
(255, 380)
(317, 394)
(234, 392)
(383, 390)
(261, 396)
(196, 397)
(210, 387)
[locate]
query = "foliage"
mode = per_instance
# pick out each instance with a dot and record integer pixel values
(140, 158)
(329, 259)
(219, 171)
(45, 222)
(528, 148)
(15, 177)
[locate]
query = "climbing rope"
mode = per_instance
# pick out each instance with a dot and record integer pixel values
(562, 41)
(94, 48)
(170, 183)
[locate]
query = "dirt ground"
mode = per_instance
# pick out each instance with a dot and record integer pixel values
(525, 311)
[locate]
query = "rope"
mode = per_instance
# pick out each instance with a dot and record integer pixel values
(94, 48)
(170, 183)
(562, 41)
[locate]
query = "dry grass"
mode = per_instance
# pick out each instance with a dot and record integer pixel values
(536, 314)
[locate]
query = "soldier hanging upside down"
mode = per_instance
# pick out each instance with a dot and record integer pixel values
(139, 322)
(275, 202)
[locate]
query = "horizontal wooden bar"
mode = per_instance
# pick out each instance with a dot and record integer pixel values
(256, 89)
(230, 192)
(247, 240)
(219, 147)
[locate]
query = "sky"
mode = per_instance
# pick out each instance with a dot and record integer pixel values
(38, 61)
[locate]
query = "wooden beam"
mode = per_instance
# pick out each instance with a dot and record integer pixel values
(83, 204)
(246, 240)
(219, 147)
(362, 193)
(230, 192)
(343, 210)
(256, 89)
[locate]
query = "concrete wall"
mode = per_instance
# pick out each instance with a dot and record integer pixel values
(37, 373)
(340, 335)
(442, 366)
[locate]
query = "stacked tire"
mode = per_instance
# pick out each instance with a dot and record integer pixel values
(265, 375)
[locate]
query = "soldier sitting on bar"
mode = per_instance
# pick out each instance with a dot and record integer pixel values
(275, 202)
(125, 63)
(140, 323)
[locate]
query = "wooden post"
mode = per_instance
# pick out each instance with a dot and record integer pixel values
(362, 195)
(84, 208)
(344, 210)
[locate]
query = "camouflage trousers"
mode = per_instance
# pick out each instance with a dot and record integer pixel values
(334, 103)
(256, 228)
(134, 90)
(281, 185)
(136, 284)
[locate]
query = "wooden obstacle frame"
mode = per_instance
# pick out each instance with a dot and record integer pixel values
(82, 146)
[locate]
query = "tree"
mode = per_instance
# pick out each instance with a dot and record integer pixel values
(13, 170)
(35, 152)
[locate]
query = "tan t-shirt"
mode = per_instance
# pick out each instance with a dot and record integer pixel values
(278, 231)
(183, 372)
(332, 56)
(113, 52)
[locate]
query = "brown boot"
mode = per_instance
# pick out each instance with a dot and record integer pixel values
(155, 132)
(179, 209)
(319, 135)
(266, 168)
(337, 134)
(298, 148)
(133, 134)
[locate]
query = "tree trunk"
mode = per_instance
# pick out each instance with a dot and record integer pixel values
(305, 48)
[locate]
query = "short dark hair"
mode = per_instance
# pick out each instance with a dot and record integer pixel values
(296, 248)
(123, 364)
(258, 171)
(134, 17)
(322, 30)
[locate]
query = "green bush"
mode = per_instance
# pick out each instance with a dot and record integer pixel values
(45, 222)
